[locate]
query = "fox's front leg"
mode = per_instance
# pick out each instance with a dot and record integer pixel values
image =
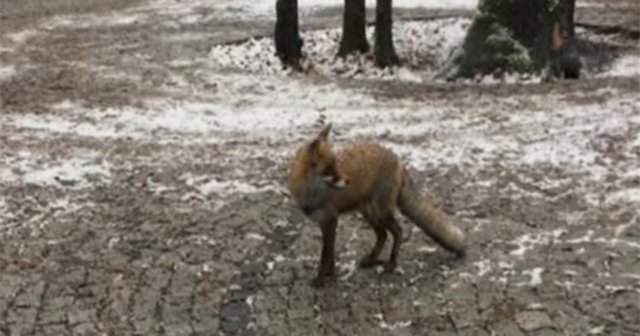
(327, 267)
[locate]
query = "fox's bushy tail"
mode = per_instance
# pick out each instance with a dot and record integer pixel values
(430, 219)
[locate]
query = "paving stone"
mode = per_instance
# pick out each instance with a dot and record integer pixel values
(25, 316)
(78, 315)
(9, 285)
(30, 297)
(84, 329)
(205, 325)
(533, 320)
(146, 326)
(305, 326)
(464, 317)
(52, 330)
(506, 328)
(273, 324)
(17, 329)
(301, 301)
(473, 331)
(55, 310)
(271, 299)
(234, 317)
(183, 327)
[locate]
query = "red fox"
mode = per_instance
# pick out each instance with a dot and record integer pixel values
(370, 179)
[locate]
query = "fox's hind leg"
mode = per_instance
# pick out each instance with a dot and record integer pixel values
(371, 259)
(392, 225)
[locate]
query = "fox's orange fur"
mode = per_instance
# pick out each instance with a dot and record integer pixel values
(370, 179)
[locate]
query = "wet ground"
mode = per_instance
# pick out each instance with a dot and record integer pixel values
(142, 185)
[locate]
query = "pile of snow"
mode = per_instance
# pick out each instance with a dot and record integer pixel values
(421, 45)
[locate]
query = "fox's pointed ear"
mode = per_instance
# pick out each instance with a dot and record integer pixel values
(324, 134)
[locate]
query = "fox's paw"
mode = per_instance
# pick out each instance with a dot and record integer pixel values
(390, 267)
(320, 281)
(368, 262)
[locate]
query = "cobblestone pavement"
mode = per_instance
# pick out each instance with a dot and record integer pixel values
(141, 193)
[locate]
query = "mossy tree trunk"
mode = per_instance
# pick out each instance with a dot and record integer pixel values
(354, 38)
(287, 32)
(385, 53)
(520, 36)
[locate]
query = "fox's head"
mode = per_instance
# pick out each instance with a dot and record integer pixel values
(314, 176)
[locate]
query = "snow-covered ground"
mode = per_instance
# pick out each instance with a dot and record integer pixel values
(281, 112)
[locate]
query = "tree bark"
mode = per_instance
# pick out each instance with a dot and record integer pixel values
(354, 37)
(385, 52)
(564, 60)
(570, 18)
(571, 59)
(287, 32)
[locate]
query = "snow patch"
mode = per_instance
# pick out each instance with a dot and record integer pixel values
(597, 330)
(267, 7)
(427, 249)
(580, 240)
(22, 37)
(6, 72)
(349, 268)
(255, 236)
(72, 173)
(6, 216)
(392, 326)
(624, 66)
(224, 188)
(176, 14)
(536, 276)
(229, 115)
(529, 241)
(631, 195)
(84, 21)
(484, 266)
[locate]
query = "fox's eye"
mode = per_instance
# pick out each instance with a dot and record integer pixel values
(330, 169)
(326, 171)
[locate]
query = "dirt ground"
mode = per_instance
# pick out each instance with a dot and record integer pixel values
(142, 187)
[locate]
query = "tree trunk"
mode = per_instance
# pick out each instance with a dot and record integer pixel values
(353, 28)
(287, 35)
(564, 60)
(520, 36)
(570, 21)
(384, 51)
